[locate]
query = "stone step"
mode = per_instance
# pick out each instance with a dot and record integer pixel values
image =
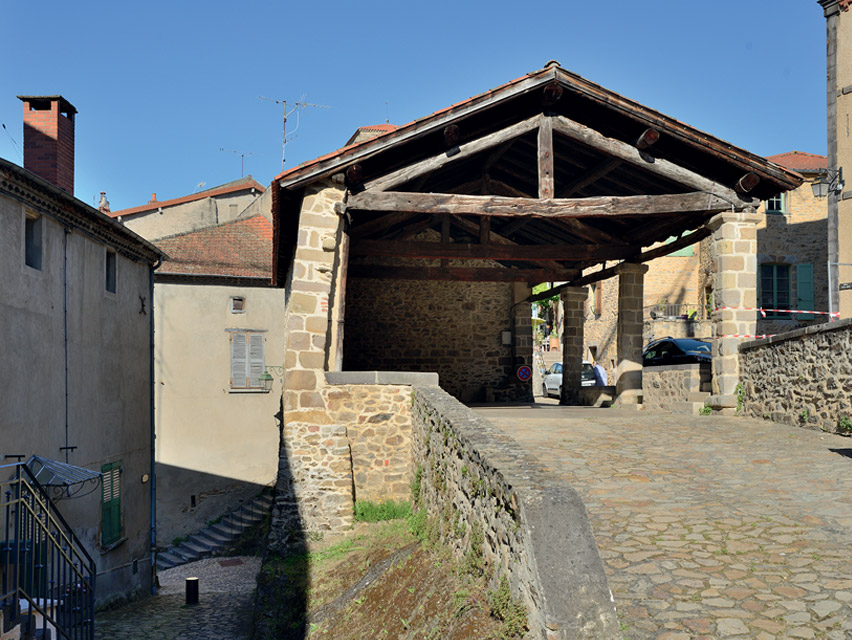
(204, 543)
(166, 560)
(686, 408)
(215, 538)
(226, 528)
(188, 552)
(697, 396)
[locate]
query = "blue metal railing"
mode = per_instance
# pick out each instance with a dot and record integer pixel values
(47, 578)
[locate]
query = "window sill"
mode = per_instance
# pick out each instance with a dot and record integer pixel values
(105, 550)
(262, 391)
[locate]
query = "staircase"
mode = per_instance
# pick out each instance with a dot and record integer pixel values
(47, 578)
(214, 538)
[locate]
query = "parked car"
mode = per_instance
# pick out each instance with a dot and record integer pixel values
(676, 351)
(553, 378)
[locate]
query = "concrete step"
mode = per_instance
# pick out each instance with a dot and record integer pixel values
(204, 543)
(686, 408)
(210, 534)
(187, 552)
(225, 528)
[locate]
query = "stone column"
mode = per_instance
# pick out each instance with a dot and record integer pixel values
(629, 340)
(522, 346)
(573, 301)
(732, 251)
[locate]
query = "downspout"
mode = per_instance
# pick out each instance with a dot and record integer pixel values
(65, 328)
(153, 478)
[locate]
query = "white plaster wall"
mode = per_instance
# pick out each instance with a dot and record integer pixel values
(108, 380)
(218, 446)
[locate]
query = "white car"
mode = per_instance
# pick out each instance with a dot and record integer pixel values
(553, 378)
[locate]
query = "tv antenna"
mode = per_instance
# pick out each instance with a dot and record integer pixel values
(297, 108)
(243, 155)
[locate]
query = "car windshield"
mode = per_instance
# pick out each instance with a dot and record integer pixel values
(694, 345)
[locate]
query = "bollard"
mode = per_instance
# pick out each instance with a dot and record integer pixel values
(191, 591)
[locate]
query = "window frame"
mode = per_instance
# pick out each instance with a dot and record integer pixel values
(110, 258)
(112, 527)
(781, 198)
(775, 304)
(243, 365)
(33, 226)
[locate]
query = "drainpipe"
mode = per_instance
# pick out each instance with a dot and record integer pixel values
(153, 478)
(65, 327)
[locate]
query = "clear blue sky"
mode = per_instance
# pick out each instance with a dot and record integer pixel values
(161, 86)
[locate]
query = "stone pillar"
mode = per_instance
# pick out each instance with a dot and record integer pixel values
(314, 488)
(629, 340)
(732, 251)
(522, 347)
(573, 317)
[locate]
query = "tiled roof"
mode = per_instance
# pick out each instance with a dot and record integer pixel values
(242, 184)
(378, 127)
(242, 247)
(800, 161)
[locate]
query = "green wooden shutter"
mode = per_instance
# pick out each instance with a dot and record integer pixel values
(111, 503)
(805, 290)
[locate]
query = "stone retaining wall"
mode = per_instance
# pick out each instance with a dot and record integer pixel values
(802, 377)
(664, 385)
(536, 529)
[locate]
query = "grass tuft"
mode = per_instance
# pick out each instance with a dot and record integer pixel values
(366, 511)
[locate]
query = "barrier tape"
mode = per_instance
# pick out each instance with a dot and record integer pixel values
(833, 314)
(737, 335)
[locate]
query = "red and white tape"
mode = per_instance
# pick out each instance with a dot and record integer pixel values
(763, 310)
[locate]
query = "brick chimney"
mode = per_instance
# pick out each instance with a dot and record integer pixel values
(49, 139)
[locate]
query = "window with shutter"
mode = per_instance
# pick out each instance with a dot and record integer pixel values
(805, 290)
(775, 289)
(111, 504)
(247, 361)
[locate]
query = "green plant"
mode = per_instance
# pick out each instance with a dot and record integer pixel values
(740, 397)
(804, 416)
(415, 485)
(509, 611)
(178, 540)
(367, 511)
(474, 558)
(844, 426)
(706, 410)
(418, 525)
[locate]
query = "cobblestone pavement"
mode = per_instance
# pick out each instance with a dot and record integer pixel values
(708, 527)
(223, 613)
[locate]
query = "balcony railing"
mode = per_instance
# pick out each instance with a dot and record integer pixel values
(676, 311)
(47, 578)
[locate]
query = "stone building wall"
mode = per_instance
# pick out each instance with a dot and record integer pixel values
(802, 378)
(663, 386)
(452, 328)
(533, 529)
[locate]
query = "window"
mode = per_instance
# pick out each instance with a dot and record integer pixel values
(805, 290)
(247, 362)
(111, 504)
(33, 240)
(110, 271)
(775, 289)
(238, 305)
(777, 204)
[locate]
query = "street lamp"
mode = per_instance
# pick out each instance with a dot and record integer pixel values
(266, 379)
(831, 181)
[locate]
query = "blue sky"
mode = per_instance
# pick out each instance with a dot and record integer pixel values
(161, 86)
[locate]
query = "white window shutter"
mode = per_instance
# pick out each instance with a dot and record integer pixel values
(238, 361)
(256, 364)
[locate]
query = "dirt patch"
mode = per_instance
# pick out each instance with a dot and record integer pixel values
(379, 583)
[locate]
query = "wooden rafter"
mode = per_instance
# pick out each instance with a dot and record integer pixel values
(467, 274)
(403, 175)
(502, 206)
(590, 178)
(498, 238)
(629, 153)
(465, 251)
(377, 225)
(545, 159)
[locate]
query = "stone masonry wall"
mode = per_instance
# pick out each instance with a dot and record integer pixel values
(803, 377)
(452, 328)
(536, 530)
(663, 386)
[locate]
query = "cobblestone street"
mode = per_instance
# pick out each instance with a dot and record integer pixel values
(708, 527)
(224, 610)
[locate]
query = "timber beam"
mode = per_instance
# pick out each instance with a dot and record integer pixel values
(465, 251)
(630, 154)
(458, 204)
(466, 274)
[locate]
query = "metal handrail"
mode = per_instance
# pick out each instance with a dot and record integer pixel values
(48, 577)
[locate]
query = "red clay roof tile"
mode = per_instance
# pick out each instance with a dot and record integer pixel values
(800, 161)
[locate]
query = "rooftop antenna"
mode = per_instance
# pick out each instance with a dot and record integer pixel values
(296, 109)
(243, 154)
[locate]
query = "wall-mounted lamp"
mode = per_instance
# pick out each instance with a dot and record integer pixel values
(830, 182)
(266, 380)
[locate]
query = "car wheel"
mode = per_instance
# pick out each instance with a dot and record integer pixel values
(559, 394)
(544, 390)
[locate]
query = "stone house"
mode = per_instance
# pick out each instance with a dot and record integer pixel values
(218, 330)
(416, 251)
(156, 219)
(76, 298)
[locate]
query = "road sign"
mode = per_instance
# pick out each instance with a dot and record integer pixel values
(524, 373)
